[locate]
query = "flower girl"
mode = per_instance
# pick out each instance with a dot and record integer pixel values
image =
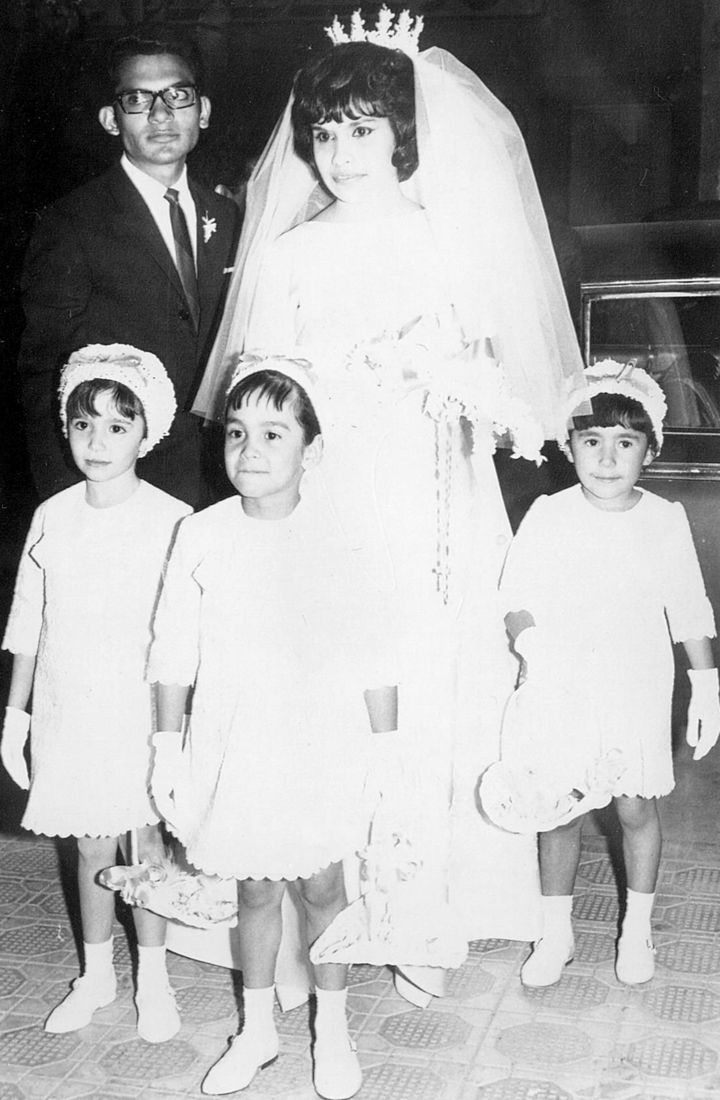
(600, 580)
(79, 629)
(266, 616)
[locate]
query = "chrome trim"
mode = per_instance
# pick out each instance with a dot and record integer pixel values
(682, 471)
(646, 287)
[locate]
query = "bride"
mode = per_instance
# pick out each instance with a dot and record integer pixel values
(395, 238)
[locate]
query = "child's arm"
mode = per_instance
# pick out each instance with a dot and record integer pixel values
(703, 719)
(16, 726)
(167, 747)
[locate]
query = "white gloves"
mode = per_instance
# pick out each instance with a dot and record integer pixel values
(167, 756)
(14, 735)
(703, 719)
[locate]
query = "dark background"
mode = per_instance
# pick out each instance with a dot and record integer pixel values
(612, 96)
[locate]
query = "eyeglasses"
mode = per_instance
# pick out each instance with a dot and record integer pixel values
(140, 101)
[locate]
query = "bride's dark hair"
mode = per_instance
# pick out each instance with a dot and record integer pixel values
(358, 78)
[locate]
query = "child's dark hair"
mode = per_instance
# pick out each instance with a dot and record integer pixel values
(81, 402)
(610, 410)
(358, 78)
(278, 389)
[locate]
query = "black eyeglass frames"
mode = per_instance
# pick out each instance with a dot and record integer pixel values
(139, 101)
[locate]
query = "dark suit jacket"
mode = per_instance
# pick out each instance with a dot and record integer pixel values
(97, 271)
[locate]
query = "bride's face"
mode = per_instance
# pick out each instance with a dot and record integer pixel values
(353, 158)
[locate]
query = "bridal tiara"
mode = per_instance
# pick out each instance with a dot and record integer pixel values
(394, 32)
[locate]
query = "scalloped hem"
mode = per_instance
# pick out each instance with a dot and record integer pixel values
(644, 794)
(277, 873)
(39, 830)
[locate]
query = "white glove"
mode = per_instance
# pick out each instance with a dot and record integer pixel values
(14, 736)
(167, 756)
(703, 719)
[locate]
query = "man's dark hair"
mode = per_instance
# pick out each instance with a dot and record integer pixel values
(135, 46)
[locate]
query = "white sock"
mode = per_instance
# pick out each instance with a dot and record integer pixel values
(331, 1012)
(637, 913)
(557, 916)
(99, 960)
(152, 967)
(258, 1009)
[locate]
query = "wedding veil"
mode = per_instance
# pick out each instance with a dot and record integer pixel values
(476, 184)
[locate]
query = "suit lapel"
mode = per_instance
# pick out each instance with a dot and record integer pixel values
(134, 220)
(211, 251)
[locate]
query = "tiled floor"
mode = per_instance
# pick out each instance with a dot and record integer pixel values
(588, 1038)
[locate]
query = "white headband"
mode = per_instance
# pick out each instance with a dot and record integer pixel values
(609, 376)
(299, 371)
(140, 371)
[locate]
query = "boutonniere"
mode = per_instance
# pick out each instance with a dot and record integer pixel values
(209, 226)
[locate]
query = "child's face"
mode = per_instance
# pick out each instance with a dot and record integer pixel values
(353, 158)
(608, 462)
(266, 456)
(106, 446)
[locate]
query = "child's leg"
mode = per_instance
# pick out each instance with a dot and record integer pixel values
(559, 856)
(642, 846)
(158, 1017)
(337, 1071)
(97, 986)
(259, 931)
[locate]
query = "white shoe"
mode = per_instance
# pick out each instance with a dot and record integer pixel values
(547, 962)
(635, 960)
(246, 1054)
(336, 1068)
(77, 1009)
(158, 1017)
(411, 992)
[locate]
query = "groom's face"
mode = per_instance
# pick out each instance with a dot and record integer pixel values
(160, 139)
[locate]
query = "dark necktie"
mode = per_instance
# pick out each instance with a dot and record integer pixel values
(184, 255)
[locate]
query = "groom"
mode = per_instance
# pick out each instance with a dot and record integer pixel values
(123, 259)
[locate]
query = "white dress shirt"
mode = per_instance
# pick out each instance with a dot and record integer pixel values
(153, 194)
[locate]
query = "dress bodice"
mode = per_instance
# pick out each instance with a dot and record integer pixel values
(329, 286)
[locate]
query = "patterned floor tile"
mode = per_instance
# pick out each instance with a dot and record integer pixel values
(588, 1038)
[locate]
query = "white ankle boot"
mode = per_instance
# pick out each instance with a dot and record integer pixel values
(545, 966)
(76, 1010)
(635, 960)
(248, 1053)
(336, 1067)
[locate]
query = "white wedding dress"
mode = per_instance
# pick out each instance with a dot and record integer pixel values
(428, 520)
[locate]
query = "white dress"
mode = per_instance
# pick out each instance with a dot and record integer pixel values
(610, 592)
(427, 519)
(272, 623)
(85, 594)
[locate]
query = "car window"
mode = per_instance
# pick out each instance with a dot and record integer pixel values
(675, 337)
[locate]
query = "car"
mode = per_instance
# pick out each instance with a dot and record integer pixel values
(650, 296)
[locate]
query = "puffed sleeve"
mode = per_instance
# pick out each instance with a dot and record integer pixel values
(174, 651)
(689, 612)
(524, 564)
(271, 322)
(22, 633)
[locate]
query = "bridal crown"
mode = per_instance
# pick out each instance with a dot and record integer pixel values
(394, 32)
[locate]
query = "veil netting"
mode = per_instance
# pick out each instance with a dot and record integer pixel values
(477, 187)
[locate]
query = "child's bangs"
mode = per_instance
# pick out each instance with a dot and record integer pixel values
(611, 410)
(82, 400)
(278, 390)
